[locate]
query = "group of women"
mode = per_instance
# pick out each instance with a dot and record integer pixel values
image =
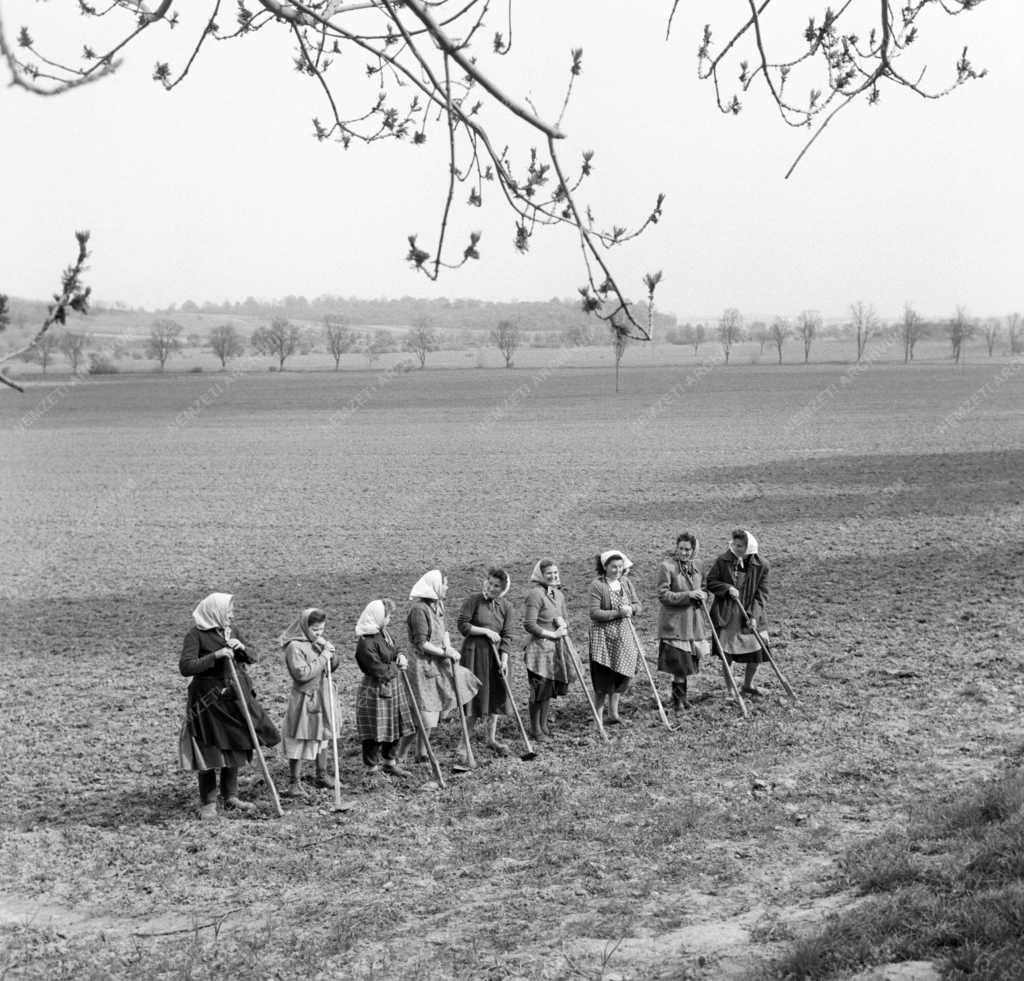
(402, 697)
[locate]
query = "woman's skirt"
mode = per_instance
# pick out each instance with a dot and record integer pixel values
(490, 699)
(199, 756)
(614, 656)
(541, 689)
(738, 642)
(383, 713)
(606, 681)
(682, 657)
(215, 732)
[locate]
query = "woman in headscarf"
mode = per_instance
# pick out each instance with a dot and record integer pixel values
(739, 578)
(682, 627)
(215, 735)
(308, 718)
(433, 668)
(485, 620)
(546, 620)
(614, 651)
(383, 717)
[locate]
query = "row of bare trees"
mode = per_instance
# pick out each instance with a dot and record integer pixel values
(281, 339)
(865, 325)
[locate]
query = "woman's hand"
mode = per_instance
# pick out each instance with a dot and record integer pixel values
(223, 652)
(625, 610)
(504, 665)
(402, 661)
(453, 655)
(236, 645)
(492, 635)
(698, 595)
(734, 592)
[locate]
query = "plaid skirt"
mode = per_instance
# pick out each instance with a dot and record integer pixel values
(381, 717)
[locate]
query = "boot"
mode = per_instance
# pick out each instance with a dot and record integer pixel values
(321, 777)
(679, 699)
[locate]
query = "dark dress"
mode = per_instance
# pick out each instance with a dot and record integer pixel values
(751, 579)
(215, 733)
(494, 614)
(383, 714)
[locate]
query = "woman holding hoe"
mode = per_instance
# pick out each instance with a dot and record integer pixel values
(614, 651)
(215, 734)
(485, 621)
(383, 716)
(548, 667)
(739, 582)
(683, 636)
(310, 715)
(434, 671)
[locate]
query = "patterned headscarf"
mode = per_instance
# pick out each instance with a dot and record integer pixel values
(689, 567)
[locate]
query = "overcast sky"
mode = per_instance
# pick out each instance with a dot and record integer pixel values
(218, 190)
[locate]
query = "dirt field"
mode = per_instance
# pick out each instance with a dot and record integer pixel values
(889, 501)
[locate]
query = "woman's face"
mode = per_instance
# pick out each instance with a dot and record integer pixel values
(443, 591)
(493, 587)
(229, 617)
(684, 550)
(317, 629)
(551, 575)
(614, 568)
(387, 619)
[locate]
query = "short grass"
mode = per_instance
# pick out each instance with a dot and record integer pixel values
(947, 888)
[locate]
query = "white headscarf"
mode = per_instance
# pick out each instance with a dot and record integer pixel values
(605, 556)
(751, 548)
(212, 612)
(371, 620)
(537, 576)
(428, 586)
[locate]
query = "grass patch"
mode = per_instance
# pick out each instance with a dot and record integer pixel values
(950, 889)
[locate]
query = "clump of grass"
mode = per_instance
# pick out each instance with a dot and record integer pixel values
(951, 888)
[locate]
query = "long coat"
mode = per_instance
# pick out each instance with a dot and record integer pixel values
(753, 592)
(679, 617)
(214, 716)
(308, 716)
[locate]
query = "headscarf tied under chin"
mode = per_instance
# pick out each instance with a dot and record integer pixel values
(626, 564)
(751, 548)
(298, 629)
(537, 576)
(689, 567)
(212, 612)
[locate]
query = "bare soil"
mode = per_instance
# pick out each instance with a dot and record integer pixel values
(897, 546)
